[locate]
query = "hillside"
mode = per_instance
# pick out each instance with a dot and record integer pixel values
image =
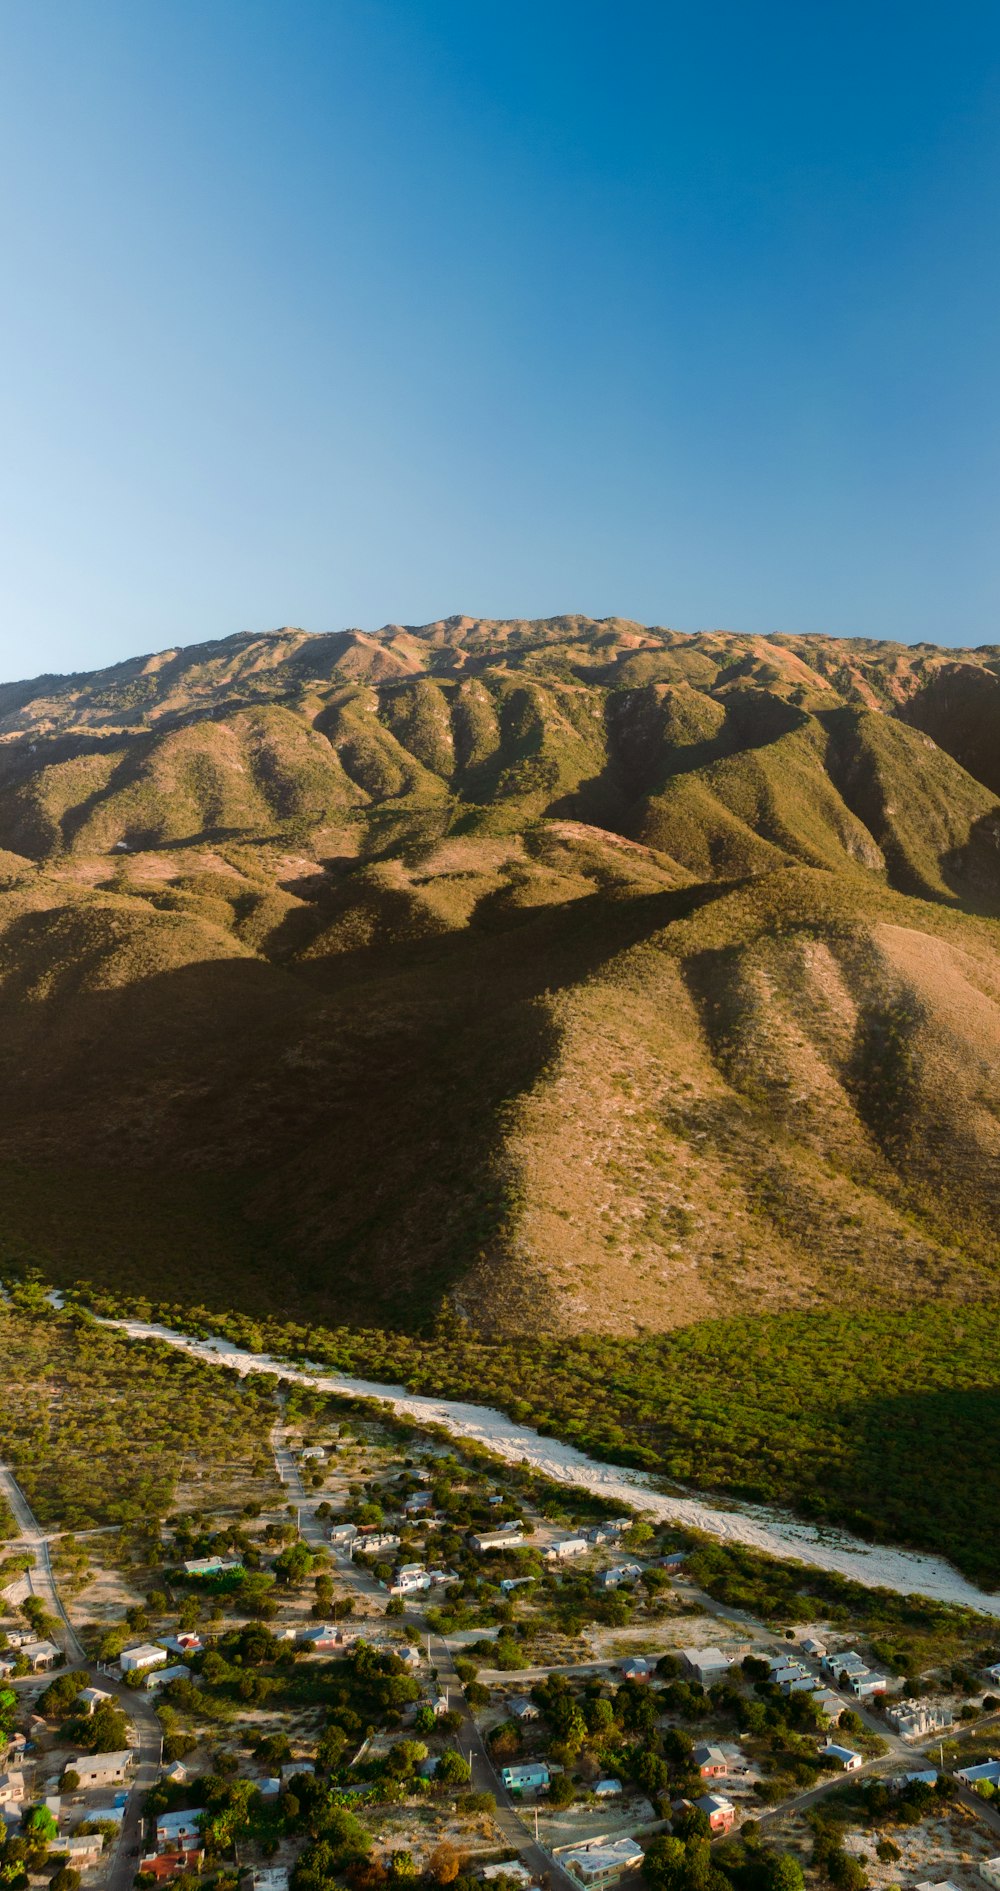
(583, 976)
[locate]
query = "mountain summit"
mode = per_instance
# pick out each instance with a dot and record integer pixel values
(582, 975)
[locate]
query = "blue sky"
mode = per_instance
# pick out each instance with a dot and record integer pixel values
(368, 310)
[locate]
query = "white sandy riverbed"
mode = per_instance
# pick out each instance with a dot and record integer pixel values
(875, 1565)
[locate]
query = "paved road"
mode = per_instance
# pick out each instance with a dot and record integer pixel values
(512, 1823)
(147, 1738)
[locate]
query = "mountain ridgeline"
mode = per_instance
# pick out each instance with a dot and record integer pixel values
(574, 976)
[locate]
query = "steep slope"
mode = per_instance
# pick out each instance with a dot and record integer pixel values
(586, 975)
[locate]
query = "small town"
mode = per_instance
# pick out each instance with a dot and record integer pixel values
(382, 1660)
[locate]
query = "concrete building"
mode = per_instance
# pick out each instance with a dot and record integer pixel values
(619, 1575)
(989, 1871)
(566, 1547)
(41, 1654)
(507, 1538)
(910, 1719)
(101, 1769)
(705, 1664)
(599, 1862)
(140, 1656)
(161, 1677)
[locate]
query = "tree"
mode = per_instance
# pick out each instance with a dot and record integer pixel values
(66, 1879)
(445, 1862)
(452, 1770)
(665, 1864)
(562, 1791)
(782, 1872)
(108, 1729)
(71, 1779)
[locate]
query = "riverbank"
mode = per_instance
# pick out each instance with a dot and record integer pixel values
(877, 1566)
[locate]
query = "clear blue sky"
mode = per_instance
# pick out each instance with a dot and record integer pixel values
(365, 310)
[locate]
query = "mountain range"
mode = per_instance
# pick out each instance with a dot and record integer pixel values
(574, 976)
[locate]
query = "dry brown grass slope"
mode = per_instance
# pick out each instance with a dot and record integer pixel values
(585, 974)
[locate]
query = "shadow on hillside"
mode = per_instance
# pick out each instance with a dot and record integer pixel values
(355, 1116)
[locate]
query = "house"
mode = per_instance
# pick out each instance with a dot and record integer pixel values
(404, 1653)
(526, 1779)
(178, 1832)
(608, 1789)
(993, 1674)
(162, 1866)
(82, 1849)
(514, 1582)
(706, 1664)
(507, 1538)
(829, 1704)
(840, 1756)
(409, 1577)
(294, 1768)
(674, 1560)
(99, 1769)
(848, 1662)
(522, 1709)
(711, 1762)
(600, 1862)
(313, 1454)
(186, 1643)
(942, 1884)
(927, 1777)
(8, 1666)
(421, 1500)
(635, 1668)
(510, 1868)
(913, 1718)
(139, 1657)
(177, 1774)
(816, 1650)
(989, 1869)
(342, 1535)
(41, 1654)
(161, 1677)
(321, 1638)
(213, 1566)
(91, 1697)
(719, 1811)
(440, 1705)
(618, 1574)
(564, 1547)
(988, 1770)
(865, 1686)
(11, 1789)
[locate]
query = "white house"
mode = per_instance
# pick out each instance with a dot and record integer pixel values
(600, 1862)
(139, 1657)
(91, 1697)
(989, 1869)
(988, 1770)
(41, 1654)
